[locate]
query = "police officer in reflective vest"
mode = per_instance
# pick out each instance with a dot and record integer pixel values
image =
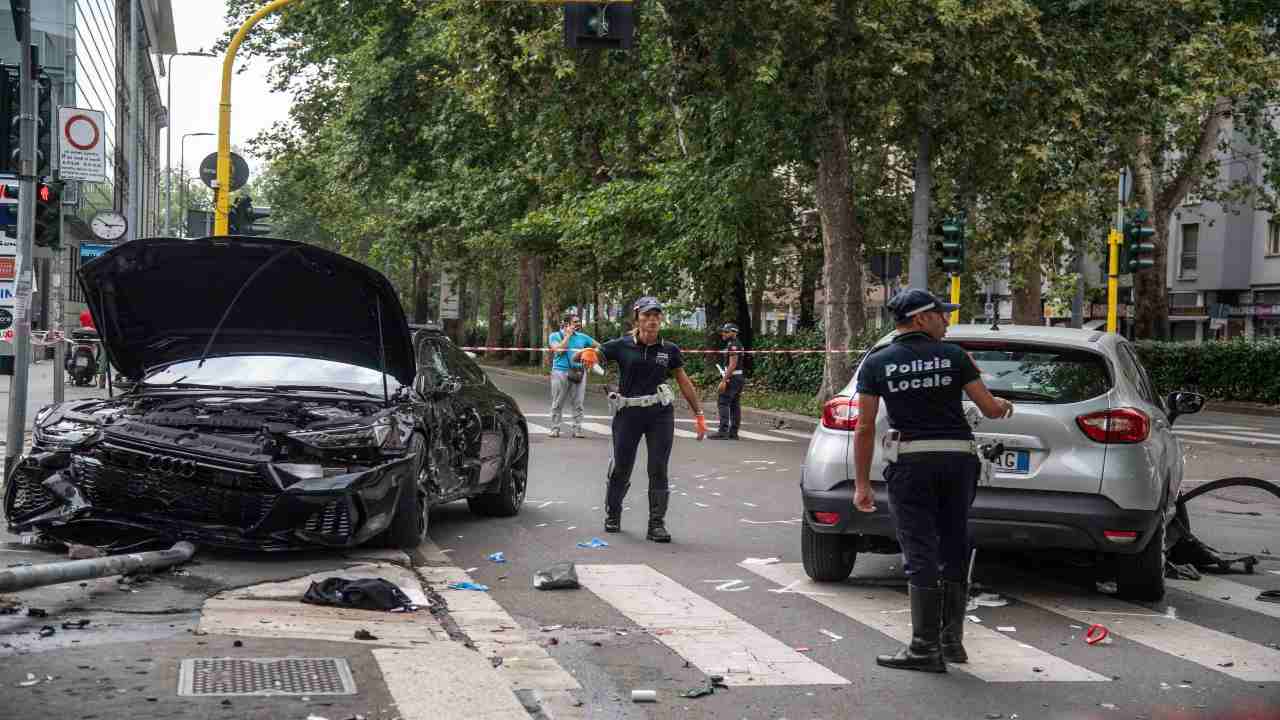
(729, 403)
(932, 469)
(643, 408)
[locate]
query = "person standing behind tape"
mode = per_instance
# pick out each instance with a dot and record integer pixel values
(643, 409)
(729, 403)
(568, 376)
(932, 469)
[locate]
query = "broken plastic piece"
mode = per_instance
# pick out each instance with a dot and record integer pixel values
(77, 625)
(760, 561)
(37, 612)
(1096, 634)
(700, 691)
(1006, 628)
(30, 681)
(989, 600)
(1108, 588)
(644, 696)
(975, 619)
(47, 631)
(1269, 596)
(498, 557)
(558, 576)
(549, 628)
(595, 542)
(363, 634)
(468, 586)
(834, 637)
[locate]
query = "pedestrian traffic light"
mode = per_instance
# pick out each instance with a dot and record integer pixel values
(48, 231)
(952, 246)
(1138, 249)
(606, 25)
(245, 219)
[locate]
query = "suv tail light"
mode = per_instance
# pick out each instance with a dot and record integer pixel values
(840, 413)
(1122, 425)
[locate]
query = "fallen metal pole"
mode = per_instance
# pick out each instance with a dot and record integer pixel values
(22, 578)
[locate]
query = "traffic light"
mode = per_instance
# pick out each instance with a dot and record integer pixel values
(10, 101)
(1136, 253)
(44, 126)
(245, 219)
(48, 226)
(607, 25)
(952, 246)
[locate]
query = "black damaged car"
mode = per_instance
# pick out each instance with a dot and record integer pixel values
(277, 402)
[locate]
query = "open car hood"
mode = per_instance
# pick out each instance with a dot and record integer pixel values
(159, 300)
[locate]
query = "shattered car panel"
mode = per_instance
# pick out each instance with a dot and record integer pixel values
(267, 451)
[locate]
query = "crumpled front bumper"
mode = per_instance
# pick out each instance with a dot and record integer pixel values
(74, 499)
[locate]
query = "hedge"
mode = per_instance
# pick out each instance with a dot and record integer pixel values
(1242, 370)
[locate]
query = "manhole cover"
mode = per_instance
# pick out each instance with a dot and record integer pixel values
(266, 676)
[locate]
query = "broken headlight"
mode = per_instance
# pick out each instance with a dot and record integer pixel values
(383, 433)
(64, 433)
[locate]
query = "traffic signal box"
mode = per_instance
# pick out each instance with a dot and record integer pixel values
(951, 247)
(607, 26)
(1138, 251)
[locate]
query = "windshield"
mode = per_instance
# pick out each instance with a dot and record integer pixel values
(271, 371)
(1039, 374)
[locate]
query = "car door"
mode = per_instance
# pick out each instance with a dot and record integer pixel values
(444, 416)
(1165, 447)
(484, 432)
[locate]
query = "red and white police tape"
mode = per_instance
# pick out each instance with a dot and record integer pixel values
(44, 338)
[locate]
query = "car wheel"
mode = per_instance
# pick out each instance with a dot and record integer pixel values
(1142, 575)
(412, 518)
(506, 500)
(828, 557)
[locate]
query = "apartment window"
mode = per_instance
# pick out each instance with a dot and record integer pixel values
(1187, 267)
(1182, 299)
(1273, 237)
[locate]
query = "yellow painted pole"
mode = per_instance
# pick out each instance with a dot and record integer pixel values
(222, 206)
(1113, 278)
(955, 299)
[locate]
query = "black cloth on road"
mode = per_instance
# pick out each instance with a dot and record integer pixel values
(642, 368)
(657, 425)
(929, 499)
(729, 405)
(365, 594)
(921, 381)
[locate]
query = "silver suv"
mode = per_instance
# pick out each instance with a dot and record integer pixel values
(1088, 462)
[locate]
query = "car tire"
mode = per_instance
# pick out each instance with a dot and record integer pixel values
(506, 500)
(1141, 576)
(828, 557)
(412, 519)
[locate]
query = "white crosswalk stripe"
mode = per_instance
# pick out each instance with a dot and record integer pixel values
(706, 635)
(1261, 439)
(598, 429)
(1201, 645)
(993, 656)
(1227, 591)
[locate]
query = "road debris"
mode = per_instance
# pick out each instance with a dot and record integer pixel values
(1006, 628)
(646, 696)
(558, 576)
(363, 634)
(31, 681)
(76, 625)
(47, 631)
(468, 586)
(83, 552)
(801, 649)
(1107, 588)
(497, 557)
(760, 561)
(974, 619)
(988, 599)
(1107, 706)
(37, 612)
(1226, 664)
(362, 594)
(1096, 634)
(594, 542)
(550, 628)
(1269, 596)
(834, 637)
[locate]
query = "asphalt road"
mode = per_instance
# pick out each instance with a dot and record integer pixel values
(663, 617)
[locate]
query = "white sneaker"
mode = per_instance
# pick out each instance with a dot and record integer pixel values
(578, 433)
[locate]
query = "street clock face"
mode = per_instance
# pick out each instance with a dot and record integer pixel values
(109, 225)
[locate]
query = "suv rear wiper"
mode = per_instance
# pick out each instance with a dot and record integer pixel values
(1021, 395)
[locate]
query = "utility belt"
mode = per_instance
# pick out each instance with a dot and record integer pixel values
(664, 397)
(894, 446)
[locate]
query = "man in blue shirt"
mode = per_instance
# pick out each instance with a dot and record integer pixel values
(568, 377)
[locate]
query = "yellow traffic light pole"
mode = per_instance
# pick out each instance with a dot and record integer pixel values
(222, 207)
(955, 299)
(1113, 278)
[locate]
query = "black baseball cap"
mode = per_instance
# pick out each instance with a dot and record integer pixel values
(913, 301)
(729, 327)
(647, 303)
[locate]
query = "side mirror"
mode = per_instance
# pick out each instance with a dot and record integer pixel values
(1184, 403)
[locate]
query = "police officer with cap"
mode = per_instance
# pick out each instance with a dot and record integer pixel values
(933, 479)
(643, 410)
(729, 403)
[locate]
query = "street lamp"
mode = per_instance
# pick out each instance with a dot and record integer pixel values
(168, 143)
(182, 168)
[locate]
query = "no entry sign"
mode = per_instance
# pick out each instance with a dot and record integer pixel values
(82, 145)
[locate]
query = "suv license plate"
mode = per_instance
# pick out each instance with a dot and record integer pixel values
(1013, 461)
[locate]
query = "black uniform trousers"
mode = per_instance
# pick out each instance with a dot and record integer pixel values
(729, 405)
(656, 424)
(929, 499)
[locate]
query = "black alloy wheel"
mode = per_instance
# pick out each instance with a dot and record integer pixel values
(412, 519)
(507, 498)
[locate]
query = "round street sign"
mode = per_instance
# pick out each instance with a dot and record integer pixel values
(239, 170)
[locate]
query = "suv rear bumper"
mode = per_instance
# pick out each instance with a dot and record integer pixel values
(1002, 518)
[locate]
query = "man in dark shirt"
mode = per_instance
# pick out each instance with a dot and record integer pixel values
(732, 379)
(934, 477)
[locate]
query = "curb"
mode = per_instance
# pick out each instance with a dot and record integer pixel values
(1242, 408)
(765, 418)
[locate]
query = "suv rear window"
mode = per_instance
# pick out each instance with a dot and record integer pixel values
(1035, 373)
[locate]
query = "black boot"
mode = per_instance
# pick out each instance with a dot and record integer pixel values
(615, 493)
(657, 514)
(924, 652)
(955, 602)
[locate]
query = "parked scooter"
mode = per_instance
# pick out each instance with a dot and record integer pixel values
(82, 360)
